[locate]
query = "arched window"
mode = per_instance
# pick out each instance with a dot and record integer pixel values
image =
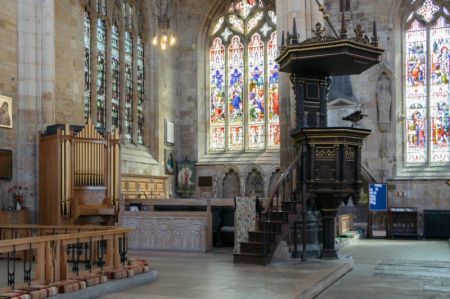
(426, 90)
(243, 79)
(114, 66)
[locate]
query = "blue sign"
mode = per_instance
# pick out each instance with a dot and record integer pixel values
(377, 197)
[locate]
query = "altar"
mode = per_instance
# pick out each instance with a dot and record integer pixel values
(171, 224)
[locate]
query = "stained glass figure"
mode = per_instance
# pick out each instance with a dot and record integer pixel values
(273, 102)
(217, 96)
(115, 67)
(101, 72)
(87, 65)
(257, 94)
(128, 87)
(140, 90)
(235, 94)
(439, 91)
(416, 90)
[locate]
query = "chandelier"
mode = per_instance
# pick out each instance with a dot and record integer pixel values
(164, 37)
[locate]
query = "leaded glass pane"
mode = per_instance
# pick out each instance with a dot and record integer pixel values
(273, 105)
(87, 65)
(439, 91)
(235, 88)
(101, 71)
(128, 87)
(244, 7)
(218, 25)
(140, 90)
(236, 23)
(115, 66)
(253, 21)
(273, 17)
(217, 96)
(256, 96)
(416, 91)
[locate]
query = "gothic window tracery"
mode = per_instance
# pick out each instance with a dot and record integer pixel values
(427, 88)
(243, 79)
(114, 92)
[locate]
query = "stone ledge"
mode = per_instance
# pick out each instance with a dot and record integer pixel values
(112, 286)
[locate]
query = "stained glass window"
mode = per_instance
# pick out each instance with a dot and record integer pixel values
(217, 98)
(128, 87)
(140, 90)
(256, 93)
(87, 65)
(101, 72)
(116, 55)
(243, 84)
(427, 100)
(235, 96)
(115, 68)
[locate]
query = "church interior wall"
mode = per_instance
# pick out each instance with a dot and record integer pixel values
(42, 70)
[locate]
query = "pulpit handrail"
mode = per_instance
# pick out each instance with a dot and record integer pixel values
(284, 175)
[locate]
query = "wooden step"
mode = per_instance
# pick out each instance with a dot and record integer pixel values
(251, 258)
(289, 206)
(258, 236)
(255, 247)
(279, 216)
(270, 226)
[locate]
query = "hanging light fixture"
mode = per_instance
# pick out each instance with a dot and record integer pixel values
(164, 37)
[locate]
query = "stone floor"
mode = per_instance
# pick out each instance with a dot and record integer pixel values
(396, 269)
(383, 269)
(214, 276)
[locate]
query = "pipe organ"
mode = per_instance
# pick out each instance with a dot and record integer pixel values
(79, 175)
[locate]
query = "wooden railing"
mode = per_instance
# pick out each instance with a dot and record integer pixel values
(285, 179)
(55, 251)
(283, 191)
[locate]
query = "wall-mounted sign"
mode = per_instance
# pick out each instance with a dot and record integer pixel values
(377, 197)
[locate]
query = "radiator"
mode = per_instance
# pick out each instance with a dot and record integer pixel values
(436, 224)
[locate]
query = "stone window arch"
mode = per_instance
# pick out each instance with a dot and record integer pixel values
(243, 102)
(114, 74)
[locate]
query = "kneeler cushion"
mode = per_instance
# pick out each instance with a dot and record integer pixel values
(15, 295)
(92, 279)
(40, 291)
(68, 286)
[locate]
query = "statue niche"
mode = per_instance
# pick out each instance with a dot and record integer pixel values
(384, 99)
(254, 184)
(231, 185)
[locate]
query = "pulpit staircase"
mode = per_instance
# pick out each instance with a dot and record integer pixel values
(274, 222)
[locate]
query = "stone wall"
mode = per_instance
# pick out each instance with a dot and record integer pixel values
(8, 81)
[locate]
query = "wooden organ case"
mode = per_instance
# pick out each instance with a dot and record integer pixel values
(79, 175)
